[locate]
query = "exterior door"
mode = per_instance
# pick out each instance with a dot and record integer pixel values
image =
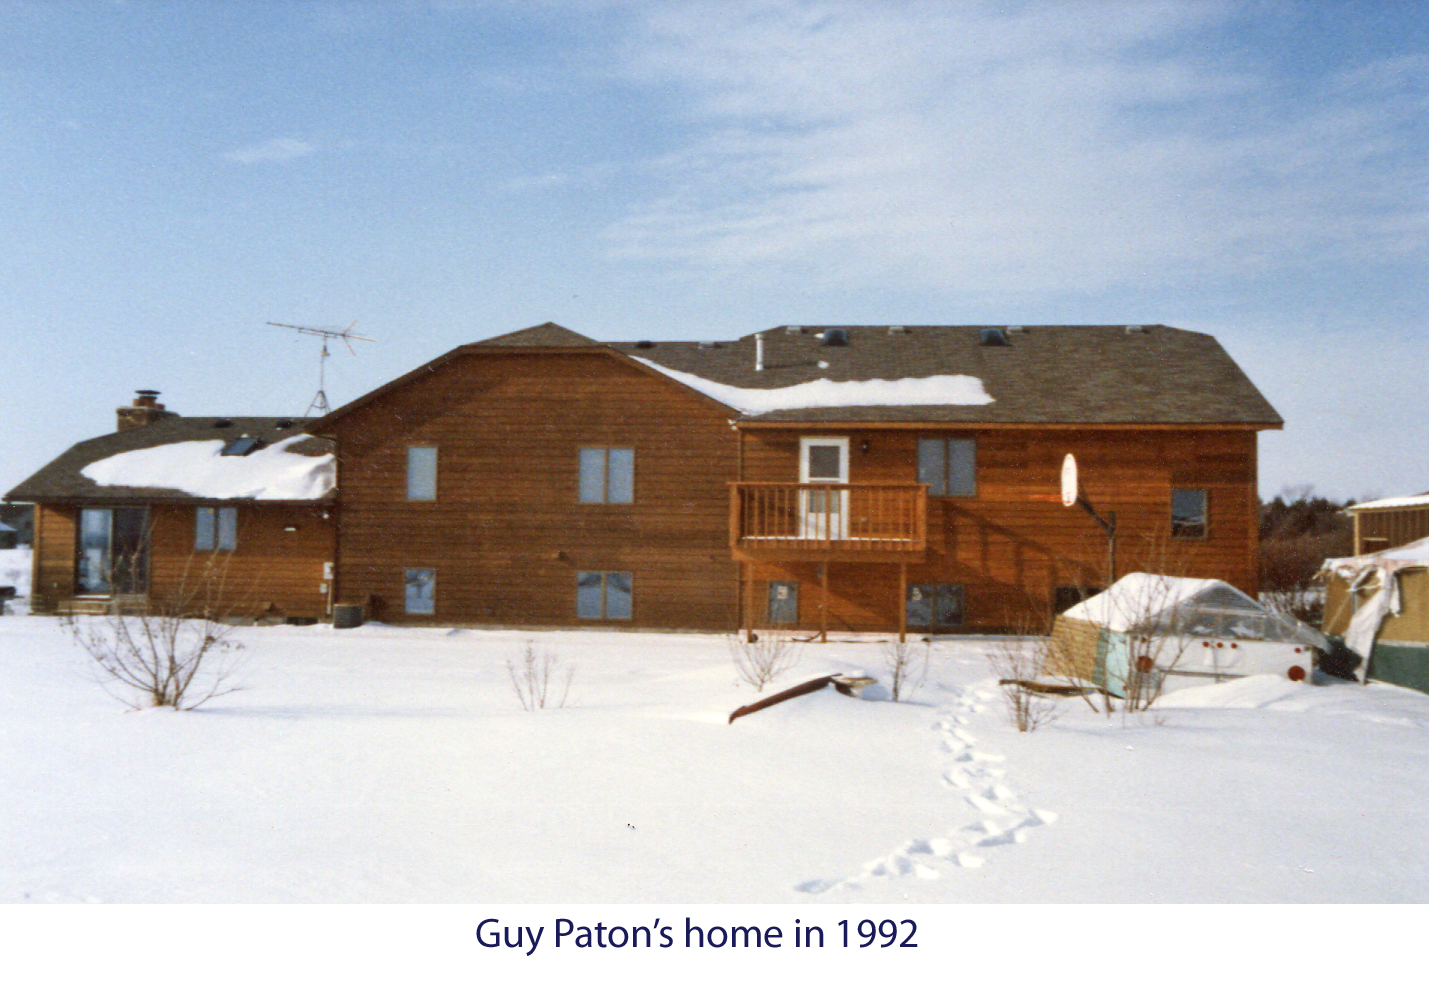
(822, 511)
(113, 553)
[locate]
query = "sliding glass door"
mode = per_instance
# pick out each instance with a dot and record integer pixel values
(113, 554)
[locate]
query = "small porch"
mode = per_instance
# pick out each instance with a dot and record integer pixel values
(827, 523)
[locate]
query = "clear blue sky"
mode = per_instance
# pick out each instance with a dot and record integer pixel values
(174, 175)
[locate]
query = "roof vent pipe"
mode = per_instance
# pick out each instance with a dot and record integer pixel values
(759, 351)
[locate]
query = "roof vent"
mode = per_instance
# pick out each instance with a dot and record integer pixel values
(1015, 329)
(223, 423)
(897, 329)
(709, 345)
(835, 336)
(284, 423)
(993, 336)
(644, 344)
(793, 329)
(1136, 329)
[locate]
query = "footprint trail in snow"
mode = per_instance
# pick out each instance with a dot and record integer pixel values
(999, 816)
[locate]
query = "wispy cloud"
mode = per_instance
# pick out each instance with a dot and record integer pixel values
(275, 150)
(1071, 148)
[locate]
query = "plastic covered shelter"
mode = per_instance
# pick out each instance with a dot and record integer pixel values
(1147, 633)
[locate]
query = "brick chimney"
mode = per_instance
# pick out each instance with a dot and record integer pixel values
(145, 410)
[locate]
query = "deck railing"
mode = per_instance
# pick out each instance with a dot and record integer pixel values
(829, 517)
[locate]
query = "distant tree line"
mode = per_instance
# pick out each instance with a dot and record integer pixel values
(1298, 532)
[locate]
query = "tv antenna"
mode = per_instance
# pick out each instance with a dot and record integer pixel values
(319, 402)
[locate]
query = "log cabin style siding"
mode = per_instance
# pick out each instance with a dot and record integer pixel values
(545, 479)
(1012, 544)
(508, 532)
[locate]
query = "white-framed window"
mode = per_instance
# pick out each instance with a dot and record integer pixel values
(215, 528)
(607, 476)
(421, 472)
(1188, 513)
(420, 591)
(604, 595)
(948, 466)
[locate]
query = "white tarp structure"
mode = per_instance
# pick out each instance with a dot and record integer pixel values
(1188, 630)
(1380, 572)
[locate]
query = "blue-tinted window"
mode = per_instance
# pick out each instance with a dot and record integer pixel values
(607, 476)
(603, 595)
(948, 466)
(422, 472)
(1188, 513)
(215, 528)
(421, 591)
(935, 605)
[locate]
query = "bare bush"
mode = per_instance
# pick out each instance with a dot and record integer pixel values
(540, 680)
(761, 658)
(907, 664)
(1021, 665)
(175, 651)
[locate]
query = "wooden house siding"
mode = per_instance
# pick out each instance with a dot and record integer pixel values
(1009, 545)
(1390, 528)
(271, 572)
(52, 579)
(507, 533)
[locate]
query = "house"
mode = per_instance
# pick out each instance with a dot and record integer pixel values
(850, 477)
(1389, 523)
(1377, 603)
(229, 515)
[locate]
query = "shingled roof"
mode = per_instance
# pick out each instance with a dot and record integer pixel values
(63, 479)
(1043, 374)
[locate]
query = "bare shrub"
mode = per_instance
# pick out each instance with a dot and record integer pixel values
(540, 680)
(1021, 666)
(176, 651)
(760, 659)
(907, 664)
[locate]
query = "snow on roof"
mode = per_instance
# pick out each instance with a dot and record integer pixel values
(1416, 553)
(1137, 598)
(197, 468)
(1417, 500)
(950, 389)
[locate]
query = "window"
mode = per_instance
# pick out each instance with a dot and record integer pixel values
(783, 602)
(422, 472)
(1188, 513)
(935, 605)
(948, 466)
(421, 587)
(216, 528)
(607, 476)
(242, 446)
(603, 595)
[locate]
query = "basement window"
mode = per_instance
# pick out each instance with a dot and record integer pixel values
(935, 605)
(215, 529)
(1188, 514)
(421, 591)
(604, 595)
(948, 466)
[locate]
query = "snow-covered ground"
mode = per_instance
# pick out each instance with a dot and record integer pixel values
(15, 572)
(395, 765)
